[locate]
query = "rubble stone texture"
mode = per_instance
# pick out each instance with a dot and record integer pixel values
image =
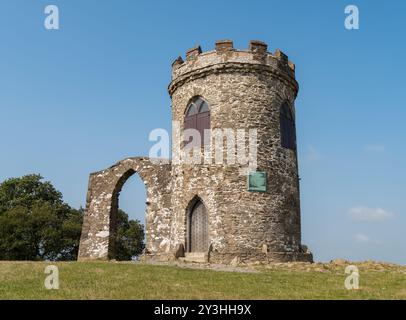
(245, 90)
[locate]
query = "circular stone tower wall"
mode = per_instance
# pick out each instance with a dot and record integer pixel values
(244, 89)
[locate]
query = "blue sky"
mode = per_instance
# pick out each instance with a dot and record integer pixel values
(78, 99)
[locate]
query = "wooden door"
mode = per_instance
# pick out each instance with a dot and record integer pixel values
(199, 230)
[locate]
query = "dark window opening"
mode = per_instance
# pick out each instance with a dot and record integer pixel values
(288, 132)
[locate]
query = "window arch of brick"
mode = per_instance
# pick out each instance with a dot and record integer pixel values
(197, 116)
(287, 127)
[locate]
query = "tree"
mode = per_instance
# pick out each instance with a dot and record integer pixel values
(35, 223)
(129, 237)
(27, 191)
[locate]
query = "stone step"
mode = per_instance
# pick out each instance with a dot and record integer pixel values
(200, 257)
(195, 254)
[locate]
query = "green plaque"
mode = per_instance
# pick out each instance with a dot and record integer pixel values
(257, 181)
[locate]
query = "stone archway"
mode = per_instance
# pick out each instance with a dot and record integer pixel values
(102, 204)
(114, 211)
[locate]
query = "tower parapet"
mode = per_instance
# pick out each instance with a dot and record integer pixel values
(225, 58)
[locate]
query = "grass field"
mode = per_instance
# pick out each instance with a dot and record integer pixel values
(110, 280)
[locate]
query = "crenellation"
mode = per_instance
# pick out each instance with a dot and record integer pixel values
(281, 56)
(224, 46)
(177, 63)
(193, 53)
(259, 49)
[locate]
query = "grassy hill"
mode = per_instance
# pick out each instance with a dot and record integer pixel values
(110, 280)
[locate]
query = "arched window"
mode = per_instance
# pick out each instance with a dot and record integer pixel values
(287, 123)
(197, 116)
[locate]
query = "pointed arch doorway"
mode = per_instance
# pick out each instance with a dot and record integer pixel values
(198, 228)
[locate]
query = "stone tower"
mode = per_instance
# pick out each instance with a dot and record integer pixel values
(216, 211)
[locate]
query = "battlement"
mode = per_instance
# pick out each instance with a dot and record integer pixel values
(225, 55)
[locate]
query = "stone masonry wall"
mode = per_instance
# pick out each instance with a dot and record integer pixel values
(102, 204)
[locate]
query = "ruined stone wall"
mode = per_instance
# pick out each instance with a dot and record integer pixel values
(102, 205)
